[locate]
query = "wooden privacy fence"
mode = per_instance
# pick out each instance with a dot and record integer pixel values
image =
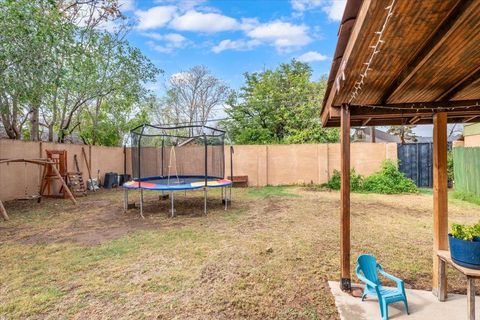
(263, 164)
(466, 163)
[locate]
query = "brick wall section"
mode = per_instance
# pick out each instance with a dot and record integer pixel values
(263, 164)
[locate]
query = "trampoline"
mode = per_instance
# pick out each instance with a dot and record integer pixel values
(178, 158)
(182, 183)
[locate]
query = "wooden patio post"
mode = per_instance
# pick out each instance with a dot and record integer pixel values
(345, 283)
(440, 197)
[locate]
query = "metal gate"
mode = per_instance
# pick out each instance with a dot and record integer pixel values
(415, 161)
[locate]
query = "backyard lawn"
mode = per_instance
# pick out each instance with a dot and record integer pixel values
(269, 256)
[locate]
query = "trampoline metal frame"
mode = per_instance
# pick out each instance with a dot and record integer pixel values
(224, 197)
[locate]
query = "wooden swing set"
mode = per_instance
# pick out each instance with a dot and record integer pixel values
(49, 170)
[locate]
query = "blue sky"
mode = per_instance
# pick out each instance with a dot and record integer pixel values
(231, 37)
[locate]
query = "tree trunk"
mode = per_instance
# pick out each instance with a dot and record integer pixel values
(50, 132)
(35, 123)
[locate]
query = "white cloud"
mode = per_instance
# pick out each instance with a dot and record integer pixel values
(155, 17)
(333, 8)
(239, 45)
(302, 5)
(126, 5)
(282, 35)
(248, 23)
(169, 41)
(182, 4)
(204, 22)
(180, 77)
(312, 56)
(175, 38)
(153, 35)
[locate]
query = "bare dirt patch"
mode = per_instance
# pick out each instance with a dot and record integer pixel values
(92, 222)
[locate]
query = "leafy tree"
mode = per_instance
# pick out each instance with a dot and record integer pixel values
(405, 133)
(278, 106)
(29, 31)
(66, 73)
(117, 85)
(111, 124)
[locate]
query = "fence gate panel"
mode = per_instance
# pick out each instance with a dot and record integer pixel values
(415, 161)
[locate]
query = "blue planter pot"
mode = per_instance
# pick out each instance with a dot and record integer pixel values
(465, 253)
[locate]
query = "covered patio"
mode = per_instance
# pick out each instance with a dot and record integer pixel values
(405, 63)
(423, 305)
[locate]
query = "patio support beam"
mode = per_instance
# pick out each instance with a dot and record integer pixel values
(345, 282)
(440, 197)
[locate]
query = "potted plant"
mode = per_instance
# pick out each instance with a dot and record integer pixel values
(464, 243)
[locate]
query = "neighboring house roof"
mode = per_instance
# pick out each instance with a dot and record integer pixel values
(471, 129)
(365, 135)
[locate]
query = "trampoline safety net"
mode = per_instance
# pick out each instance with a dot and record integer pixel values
(196, 151)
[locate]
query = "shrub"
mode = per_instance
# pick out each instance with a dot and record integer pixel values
(465, 232)
(450, 168)
(356, 181)
(389, 180)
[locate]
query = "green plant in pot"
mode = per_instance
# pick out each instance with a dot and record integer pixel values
(464, 243)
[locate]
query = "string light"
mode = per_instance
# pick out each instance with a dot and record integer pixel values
(417, 108)
(375, 50)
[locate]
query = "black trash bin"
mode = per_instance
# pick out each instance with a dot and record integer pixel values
(124, 178)
(111, 180)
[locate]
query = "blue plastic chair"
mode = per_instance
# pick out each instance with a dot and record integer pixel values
(367, 271)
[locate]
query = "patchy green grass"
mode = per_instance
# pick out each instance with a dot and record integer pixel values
(268, 256)
(428, 191)
(272, 191)
(466, 196)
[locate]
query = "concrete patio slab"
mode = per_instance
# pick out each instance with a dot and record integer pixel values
(422, 304)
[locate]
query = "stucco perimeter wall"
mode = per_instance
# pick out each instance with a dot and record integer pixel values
(472, 141)
(304, 163)
(263, 164)
(19, 179)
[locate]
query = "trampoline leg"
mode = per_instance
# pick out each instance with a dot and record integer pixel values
(205, 200)
(225, 198)
(141, 203)
(125, 200)
(173, 209)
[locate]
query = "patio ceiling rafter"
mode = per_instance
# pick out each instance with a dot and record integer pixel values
(429, 47)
